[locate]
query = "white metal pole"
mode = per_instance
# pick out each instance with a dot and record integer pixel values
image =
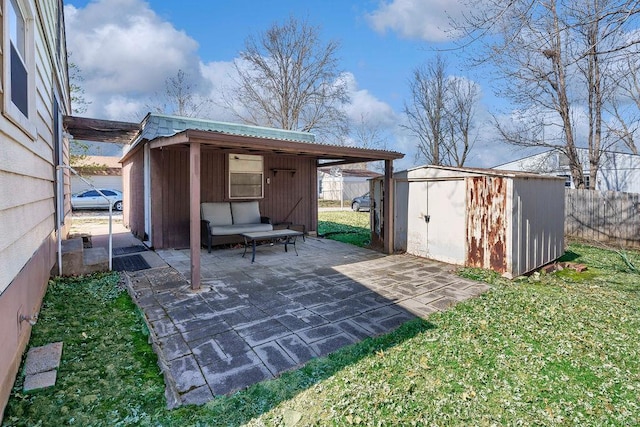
(110, 218)
(110, 237)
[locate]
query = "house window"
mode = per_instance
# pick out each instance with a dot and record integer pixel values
(567, 180)
(246, 174)
(17, 35)
(19, 103)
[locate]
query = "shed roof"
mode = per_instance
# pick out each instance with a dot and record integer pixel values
(482, 171)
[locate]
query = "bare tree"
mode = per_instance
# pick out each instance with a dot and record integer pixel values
(79, 104)
(78, 149)
(425, 109)
(625, 105)
(289, 79)
(462, 101)
(551, 56)
(180, 98)
(368, 133)
(440, 114)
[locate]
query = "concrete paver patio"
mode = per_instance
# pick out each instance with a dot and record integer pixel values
(251, 322)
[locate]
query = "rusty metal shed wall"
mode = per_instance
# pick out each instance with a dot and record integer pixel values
(487, 223)
(538, 223)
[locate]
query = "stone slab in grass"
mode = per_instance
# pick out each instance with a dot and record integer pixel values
(43, 359)
(40, 380)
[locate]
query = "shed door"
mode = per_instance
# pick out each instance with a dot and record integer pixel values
(436, 220)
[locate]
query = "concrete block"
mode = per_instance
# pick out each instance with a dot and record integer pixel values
(72, 258)
(94, 260)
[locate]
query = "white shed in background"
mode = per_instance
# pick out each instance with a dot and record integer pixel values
(510, 222)
(343, 184)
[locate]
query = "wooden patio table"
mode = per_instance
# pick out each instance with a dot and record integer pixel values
(285, 237)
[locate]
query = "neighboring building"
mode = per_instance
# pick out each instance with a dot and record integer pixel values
(343, 184)
(510, 222)
(176, 162)
(617, 172)
(34, 204)
(99, 171)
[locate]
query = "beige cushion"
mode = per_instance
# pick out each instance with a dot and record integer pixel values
(217, 213)
(229, 230)
(245, 212)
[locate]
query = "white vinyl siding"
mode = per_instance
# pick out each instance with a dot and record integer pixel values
(27, 163)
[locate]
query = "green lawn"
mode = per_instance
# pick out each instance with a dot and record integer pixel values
(558, 349)
(345, 226)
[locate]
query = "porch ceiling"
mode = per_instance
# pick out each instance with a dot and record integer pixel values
(329, 155)
(86, 129)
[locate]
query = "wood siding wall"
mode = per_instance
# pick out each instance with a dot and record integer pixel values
(290, 195)
(27, 190)
(603, 216)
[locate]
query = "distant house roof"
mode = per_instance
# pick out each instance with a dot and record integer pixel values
(583, 154)
(98, 165)
(355, 173)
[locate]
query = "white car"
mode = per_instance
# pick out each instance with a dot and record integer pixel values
(91, 199)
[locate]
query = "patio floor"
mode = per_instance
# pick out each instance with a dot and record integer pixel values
(251, 322)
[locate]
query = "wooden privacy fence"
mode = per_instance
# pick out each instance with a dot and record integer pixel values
(603, 216)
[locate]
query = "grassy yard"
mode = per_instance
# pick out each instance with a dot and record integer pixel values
(558, 349)
(345, 226)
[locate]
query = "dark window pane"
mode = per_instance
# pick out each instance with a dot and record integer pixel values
(91, 193)
(18, 82)
(108, 193)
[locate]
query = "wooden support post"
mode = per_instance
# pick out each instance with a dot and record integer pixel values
(387, 207)
(194, 213)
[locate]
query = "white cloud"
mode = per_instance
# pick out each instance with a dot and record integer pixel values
(366, 107)
(417, 19)
(125, 57)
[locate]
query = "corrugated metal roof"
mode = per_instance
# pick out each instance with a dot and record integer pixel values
(160, 125)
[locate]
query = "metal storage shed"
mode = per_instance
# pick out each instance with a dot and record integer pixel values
(510, 222)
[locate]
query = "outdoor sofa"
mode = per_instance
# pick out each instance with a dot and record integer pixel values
(224, 222)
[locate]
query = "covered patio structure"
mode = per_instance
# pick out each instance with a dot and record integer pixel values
(176, 163)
